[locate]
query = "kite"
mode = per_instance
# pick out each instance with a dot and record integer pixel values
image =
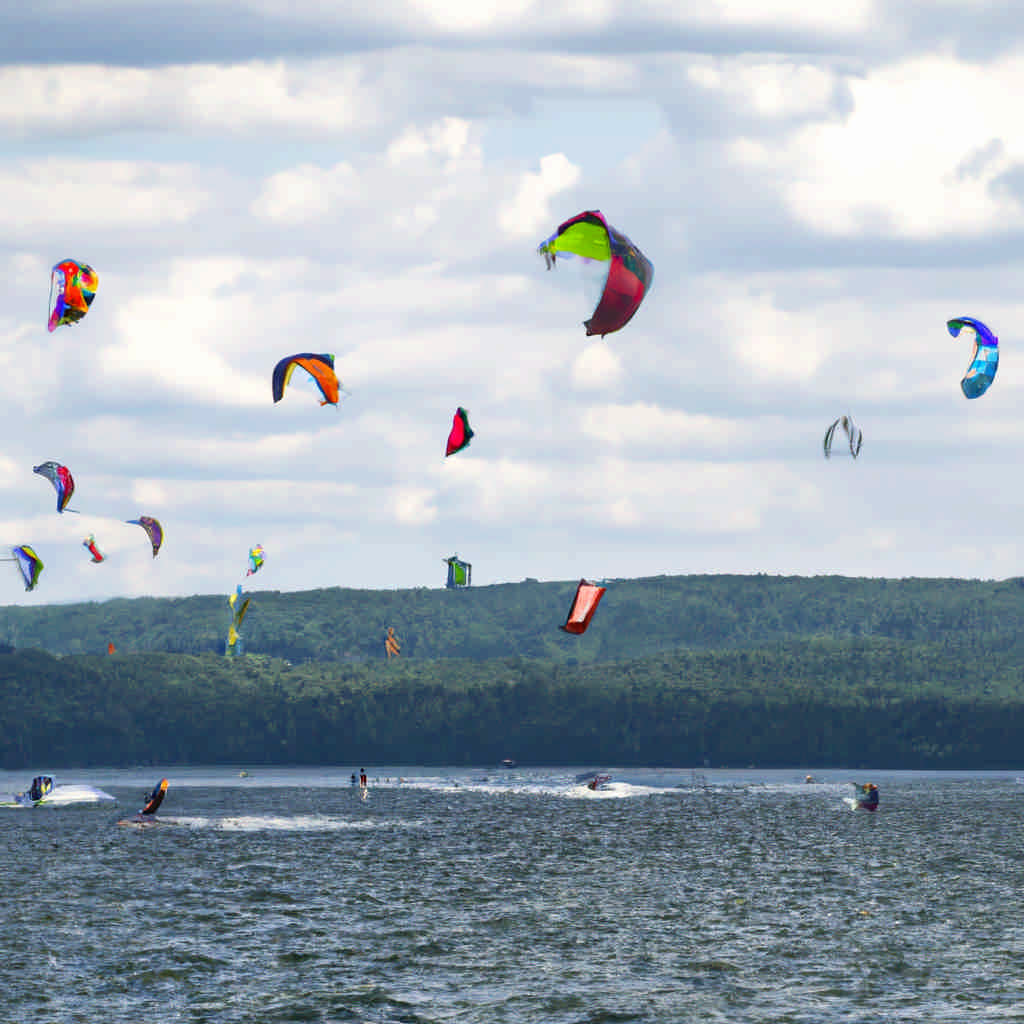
(584, 604)
(460, 573)
(257, 556)
(72, 288)
(319, 367)
(153, 529)
(391, 644)
(984, 363)
(62, 480)
(461, 433)
(854, 437)
(155, 799)
(589, 237)
(90, 545)
(239, 612)
(30, 565)
(238, 615)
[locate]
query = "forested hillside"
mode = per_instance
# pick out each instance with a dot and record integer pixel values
(674, 671)
(636, 618)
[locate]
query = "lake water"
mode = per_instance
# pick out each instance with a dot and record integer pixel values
(472, 895)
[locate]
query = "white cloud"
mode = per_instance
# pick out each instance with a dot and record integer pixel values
(84, 99)
(596, 367)
(895, 166)
(530, 209)
(766, 90)
(94, 195)
(307, 192)
(414, 506)
(643, 425)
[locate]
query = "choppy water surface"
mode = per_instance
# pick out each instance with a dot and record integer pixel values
(521, 897)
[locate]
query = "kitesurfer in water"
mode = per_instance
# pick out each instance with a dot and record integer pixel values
(41, 785)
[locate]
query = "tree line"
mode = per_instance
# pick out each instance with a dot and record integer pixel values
(637, 618)
(814, 701)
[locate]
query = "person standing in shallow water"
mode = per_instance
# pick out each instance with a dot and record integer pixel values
(362, 783)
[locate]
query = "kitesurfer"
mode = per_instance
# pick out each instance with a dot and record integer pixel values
(867, 796)
(41, 785)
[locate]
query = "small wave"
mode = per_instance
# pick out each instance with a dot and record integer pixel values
(64, 796)
(613, 791)
(298, 823)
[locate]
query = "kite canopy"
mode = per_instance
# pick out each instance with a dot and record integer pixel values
(257, 556)
(584, 604)
(90, 545)
(156, 798)
(854, 436)
(391, 644)
(461, 433)
(30, 565)
(588, 236)
(62, 480)
(72, 288)
(153, 529)
(984, 363)
(460, 574)
(239, 612)
(319, 367)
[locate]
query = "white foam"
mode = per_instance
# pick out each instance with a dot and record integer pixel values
(613, 791)
(298, 823)
(62, 796)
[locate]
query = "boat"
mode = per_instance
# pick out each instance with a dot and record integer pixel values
(508, 763)
(45, 792)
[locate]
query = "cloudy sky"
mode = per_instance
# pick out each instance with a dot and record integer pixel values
(819, 187)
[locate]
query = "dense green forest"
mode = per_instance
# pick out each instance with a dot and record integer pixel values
(636, 618)
(720, 670)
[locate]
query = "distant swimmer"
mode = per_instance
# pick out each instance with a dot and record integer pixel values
(809, 778)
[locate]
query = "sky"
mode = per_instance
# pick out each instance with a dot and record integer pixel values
(819, 187)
